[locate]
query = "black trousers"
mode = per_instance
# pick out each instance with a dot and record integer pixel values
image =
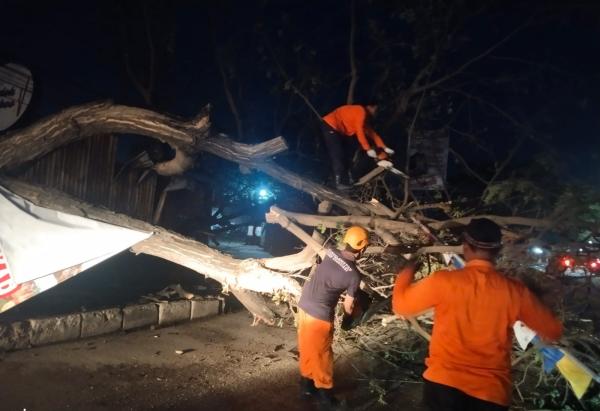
(335, 149)
(439, 397)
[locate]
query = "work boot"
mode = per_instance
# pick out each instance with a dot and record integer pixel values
(307, 387)
(327, 400)
(339, 185)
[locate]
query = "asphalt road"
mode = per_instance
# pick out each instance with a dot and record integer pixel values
(226, 364)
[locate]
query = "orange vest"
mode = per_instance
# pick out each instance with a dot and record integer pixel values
(475, 309)
(350, 121)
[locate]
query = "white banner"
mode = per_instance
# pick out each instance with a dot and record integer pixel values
(40, 247)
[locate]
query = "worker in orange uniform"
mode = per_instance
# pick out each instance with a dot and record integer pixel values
(347, 121)
(468, 367)
(335, 275)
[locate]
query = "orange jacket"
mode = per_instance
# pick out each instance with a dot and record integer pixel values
(475, 309)
(351, 120)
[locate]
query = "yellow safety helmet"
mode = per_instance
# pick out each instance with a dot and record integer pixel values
(356, 237)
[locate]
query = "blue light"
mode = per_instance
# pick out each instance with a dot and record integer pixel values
(263, 194)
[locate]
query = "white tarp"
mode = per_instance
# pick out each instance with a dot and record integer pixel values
(38, 242)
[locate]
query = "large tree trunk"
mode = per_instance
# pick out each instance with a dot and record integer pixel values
(188, 137)
(235, 275)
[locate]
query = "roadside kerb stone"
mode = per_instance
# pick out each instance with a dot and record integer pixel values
(101, 322)
(55, 329)
(205, 308)
(35, 332)
(142, 315)
(173, 312)
(15, 336)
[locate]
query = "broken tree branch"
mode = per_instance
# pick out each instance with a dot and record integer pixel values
(275, 217)
(373, 223)
(244, 275)
(189, 137)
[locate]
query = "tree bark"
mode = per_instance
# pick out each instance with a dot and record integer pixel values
(275, 217)
(239, 275)
(374, 223)
(187, 137)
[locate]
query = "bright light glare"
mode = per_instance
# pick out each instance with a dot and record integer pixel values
(567, 261)
(263, 192)
(537, 250)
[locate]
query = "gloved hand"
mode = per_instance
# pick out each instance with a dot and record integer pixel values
(371, 153)
(388, 150)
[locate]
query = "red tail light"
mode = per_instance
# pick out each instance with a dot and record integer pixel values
(567, 262)
(594, 265)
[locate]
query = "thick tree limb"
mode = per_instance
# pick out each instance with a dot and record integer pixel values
(319, 191)
(295, 262)
(373, 223)
(87, 120)
(275, 217)
(187, 137)
(249, 274)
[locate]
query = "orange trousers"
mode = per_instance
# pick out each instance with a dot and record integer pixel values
(315, 337)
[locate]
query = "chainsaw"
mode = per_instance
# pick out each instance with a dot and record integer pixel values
(382, 165)
(389, 166)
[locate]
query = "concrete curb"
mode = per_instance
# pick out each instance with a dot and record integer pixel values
(101, 322)
(41, 331)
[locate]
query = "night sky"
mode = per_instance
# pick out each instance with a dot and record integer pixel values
(546, 75)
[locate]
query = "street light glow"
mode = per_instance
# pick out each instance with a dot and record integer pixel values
(537, 250)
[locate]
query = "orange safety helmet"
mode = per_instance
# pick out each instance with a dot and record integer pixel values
(356, 237)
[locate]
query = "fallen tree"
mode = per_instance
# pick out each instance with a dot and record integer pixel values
(252, 281)
(238, 276)
(188, 138)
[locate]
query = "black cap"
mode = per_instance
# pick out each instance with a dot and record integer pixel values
(483, 233)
